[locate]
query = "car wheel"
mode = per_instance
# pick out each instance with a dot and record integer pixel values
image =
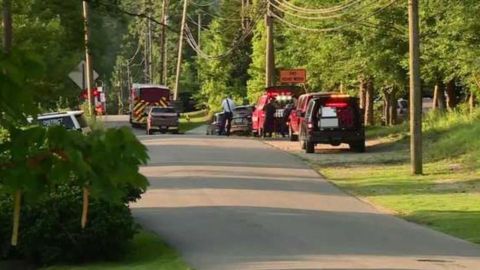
(293, 137)
(309, 147)
(358, 147)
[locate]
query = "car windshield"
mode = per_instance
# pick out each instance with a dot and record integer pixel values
(163, 110)
(65, 121)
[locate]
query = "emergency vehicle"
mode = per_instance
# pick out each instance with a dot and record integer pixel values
(333, 118)
(283, 96)
(145, 96)
(298, 113)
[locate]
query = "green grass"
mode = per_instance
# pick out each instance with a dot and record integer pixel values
(189, 121)
(446, 197)
(148, 252)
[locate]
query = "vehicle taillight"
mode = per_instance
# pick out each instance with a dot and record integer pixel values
(309, 125)
(336, 104)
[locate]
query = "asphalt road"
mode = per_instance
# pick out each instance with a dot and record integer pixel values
(232, 203)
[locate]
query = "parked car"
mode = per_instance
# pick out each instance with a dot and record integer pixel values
(333, 119)
(215, 126)
(163, 119)
(298, 114)
(242, 120)
(73, 120)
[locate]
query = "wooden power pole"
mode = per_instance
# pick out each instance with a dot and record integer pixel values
(88, 59)
(270, 53)
(7, 26)
(180, 50)
(163, 43)
(415, 89)
(199, 30)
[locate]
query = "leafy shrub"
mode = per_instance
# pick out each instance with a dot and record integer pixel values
(51, 230)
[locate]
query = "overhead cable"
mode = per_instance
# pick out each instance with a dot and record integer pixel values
(193, 44)
(275, 4)
(333, 9)
(335, 28)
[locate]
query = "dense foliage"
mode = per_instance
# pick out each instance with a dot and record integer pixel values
(35, 161)
(51, 233)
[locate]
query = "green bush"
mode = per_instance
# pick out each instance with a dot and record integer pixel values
(51, 230)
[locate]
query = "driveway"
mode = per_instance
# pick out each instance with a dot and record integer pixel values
(232, 203)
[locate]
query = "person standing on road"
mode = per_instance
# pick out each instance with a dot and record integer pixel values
(228, 107)
(269, 124)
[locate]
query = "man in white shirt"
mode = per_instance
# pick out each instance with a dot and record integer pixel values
(228, 107)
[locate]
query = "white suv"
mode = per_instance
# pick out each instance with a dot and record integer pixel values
(74, 120)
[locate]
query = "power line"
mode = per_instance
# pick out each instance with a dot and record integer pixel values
(191, 41)
(138, 15)
(331, 29)
(220, 18)
(319, 10)
(135, 54)
(275, 4)
(206, 4)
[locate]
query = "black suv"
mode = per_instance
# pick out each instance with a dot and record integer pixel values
(333, 119)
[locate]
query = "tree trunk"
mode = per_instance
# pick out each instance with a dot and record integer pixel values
(7, 26)
(369, 121)
(362, 93)
(451, 95)
(386, 109)
(436, 92)
(439, 102)
(472, 94)
(393, 107)
(471, 101)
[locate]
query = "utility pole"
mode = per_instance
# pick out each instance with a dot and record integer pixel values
(150, 53)
(88, 59)
(270, 54)
(163, 43)
(199, 30)
(180, 49)
(415, 89)
(150, 41)
(245, 14)
(7, 26)
(242, 14)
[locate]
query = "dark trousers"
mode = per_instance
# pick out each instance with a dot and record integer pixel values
(227, 122)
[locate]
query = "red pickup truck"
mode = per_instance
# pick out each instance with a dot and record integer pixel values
(282, 94)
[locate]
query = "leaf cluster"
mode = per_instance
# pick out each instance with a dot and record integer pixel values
(36, 159)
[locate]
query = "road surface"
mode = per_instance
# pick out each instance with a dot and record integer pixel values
(232, 203)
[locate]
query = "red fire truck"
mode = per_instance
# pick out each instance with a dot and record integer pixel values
(283, 95)
(144, 96)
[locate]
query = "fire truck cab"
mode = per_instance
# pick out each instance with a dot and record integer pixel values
(283, 96)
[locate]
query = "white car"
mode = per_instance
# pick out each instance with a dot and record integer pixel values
(73, 120)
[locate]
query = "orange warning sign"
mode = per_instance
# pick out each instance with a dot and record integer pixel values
(293, 76)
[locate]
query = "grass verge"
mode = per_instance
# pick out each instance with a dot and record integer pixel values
(148, 252)
(192, 120)
(446, 197)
